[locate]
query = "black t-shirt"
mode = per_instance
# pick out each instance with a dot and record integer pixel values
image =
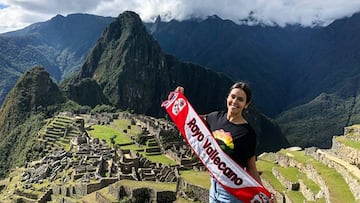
(236, 140)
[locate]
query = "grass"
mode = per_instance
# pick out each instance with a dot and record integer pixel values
(106, 132)
(201, 178)
(349, 143)
(159, 186)
(159, 158)
(266, 168)
(122, 124)
(116, 128)
(338, 188)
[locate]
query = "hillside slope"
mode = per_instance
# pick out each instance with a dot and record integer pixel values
(34, 97)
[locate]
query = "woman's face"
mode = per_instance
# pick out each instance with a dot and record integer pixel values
(236, 101)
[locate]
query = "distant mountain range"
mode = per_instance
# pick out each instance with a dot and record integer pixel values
(60, 45)
(306, 78)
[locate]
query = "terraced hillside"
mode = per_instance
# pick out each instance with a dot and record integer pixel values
(125, 157)
(58, 132)
(316, 175)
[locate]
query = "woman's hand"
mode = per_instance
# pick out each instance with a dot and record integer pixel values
(273, 198)
(180, 89)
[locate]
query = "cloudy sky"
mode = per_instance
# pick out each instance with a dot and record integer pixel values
(16, 14)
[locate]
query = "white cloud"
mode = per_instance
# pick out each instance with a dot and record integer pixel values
(15, 14)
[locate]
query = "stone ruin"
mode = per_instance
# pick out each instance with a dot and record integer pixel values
(340, 157)
(89, 163)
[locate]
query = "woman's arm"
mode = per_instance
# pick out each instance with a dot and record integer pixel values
(251, 168)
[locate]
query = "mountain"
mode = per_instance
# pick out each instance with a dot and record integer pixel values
(34, 97)
(60, 45)
(287, 66)
(261, 55)
(328, 111)
(133, 73)
(127, 69)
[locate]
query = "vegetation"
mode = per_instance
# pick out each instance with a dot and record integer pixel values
(201, 178)
(347, 142)
(338, 188)
(106, 133)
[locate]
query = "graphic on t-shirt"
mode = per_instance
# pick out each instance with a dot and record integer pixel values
(224, 140)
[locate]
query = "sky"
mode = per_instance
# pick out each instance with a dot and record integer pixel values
(17, 14)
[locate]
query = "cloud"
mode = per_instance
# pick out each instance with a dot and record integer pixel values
(15, 14)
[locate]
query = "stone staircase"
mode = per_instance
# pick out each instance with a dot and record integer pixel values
(57, 133)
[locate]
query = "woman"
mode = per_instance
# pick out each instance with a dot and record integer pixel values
(234, 135)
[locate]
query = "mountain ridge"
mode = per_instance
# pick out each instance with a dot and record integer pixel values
(276, 62)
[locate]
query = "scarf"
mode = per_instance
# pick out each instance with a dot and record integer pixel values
(226, 171)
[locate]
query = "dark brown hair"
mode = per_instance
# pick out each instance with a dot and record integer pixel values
(245, 87)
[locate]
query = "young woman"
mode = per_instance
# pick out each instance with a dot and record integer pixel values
(234, 135)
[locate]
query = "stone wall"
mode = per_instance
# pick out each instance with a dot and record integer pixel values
(352, 133)
(82, 188)
(46, 196)
(280, 197)
(285, 182)
(143, 194)
(192, 191)
(309, 170)
(101, 198)
(353, 183)
(345, 153)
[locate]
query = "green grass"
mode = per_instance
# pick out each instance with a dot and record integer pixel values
(313, 187)
(349, 143)
(122, 124)
(290, 173)
(338, 188)
(133, 147)
(159, 158)
(298, 156)
(116, 128)
(159, 186)
(106, 132)
(201, 178)
(266, 168)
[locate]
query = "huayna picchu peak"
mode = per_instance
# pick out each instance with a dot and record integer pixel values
(33, 93)
(33, 97)
(133, 73)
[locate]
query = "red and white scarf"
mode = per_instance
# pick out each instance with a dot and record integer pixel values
(225, 170)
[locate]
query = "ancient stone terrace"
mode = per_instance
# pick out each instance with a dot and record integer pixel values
(319, 175)
(58, 132)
